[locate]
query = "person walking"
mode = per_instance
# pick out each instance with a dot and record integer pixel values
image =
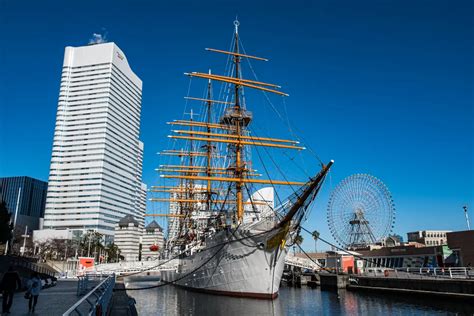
(8, 286)
(34, 288)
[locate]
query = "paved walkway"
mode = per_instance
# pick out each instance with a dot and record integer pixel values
(51, 302)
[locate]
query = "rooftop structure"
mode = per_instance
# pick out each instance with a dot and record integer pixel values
(429, 237)
(127, 237)
(152, 241)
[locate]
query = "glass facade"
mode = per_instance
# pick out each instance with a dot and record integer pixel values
(32, 198)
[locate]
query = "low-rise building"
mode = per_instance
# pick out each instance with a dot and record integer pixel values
(127, 238)
(462, 245)
(342, 261)
(152, 241)
(406, 256)
(429, 237)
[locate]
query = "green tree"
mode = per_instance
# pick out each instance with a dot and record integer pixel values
(91, 244)
(113, 253)
(298, 240)
(6, 227)
(315, 235)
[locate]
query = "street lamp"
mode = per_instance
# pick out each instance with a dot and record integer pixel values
(25, 235)
(467, 217)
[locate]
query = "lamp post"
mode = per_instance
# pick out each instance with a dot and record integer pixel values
(25, 235)
(467, 217)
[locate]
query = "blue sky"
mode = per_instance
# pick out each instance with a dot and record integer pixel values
(382, 87)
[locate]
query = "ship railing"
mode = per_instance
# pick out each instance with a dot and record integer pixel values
(421, 273)
(97, 301)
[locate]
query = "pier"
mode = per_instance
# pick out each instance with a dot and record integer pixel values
(457, 283)
(453, 282)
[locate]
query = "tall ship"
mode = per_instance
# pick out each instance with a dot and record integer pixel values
(226, 235)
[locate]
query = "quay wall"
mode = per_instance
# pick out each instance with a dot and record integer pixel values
(333, 281)
(443, 287)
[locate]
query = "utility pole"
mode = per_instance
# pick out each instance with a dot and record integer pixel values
(467, 217)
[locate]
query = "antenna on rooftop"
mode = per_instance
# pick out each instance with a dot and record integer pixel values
(467, 217)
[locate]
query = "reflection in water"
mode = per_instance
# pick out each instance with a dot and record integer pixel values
(170, 300)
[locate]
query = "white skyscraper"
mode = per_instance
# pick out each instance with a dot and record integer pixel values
(96, 166)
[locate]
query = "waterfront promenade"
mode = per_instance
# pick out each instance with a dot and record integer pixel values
(51, 301)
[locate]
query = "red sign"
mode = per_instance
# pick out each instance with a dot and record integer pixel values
(85, 264)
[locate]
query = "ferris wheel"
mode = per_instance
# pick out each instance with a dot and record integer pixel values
(360, 211)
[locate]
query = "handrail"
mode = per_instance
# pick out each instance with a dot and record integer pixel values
(102, 293)
(420, 273)
(21, 262)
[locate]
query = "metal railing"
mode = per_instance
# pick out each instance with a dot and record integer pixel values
(20, 262)
(136, 266)
(97, 301)
(421, 273)
(301, 262)
(82, 285)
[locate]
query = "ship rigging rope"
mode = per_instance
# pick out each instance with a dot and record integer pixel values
(178, 279)
(277, 166)
(379, 265)
(231, 68)
(315, 262)
(220, 249)
(281, 172)
(223, 244)
(276, 110)
(299, 153)
(268, 175)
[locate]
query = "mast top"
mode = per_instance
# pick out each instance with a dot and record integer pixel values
(236, 24)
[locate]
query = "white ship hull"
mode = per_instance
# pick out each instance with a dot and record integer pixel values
(235, 264)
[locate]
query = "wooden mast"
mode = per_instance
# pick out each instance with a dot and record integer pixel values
(209, 145)
(232, 130)
(238, 131)
(190, 183)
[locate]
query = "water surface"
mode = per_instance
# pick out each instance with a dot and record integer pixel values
(170, 300)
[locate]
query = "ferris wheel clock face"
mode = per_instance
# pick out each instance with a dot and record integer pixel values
(360, 211)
